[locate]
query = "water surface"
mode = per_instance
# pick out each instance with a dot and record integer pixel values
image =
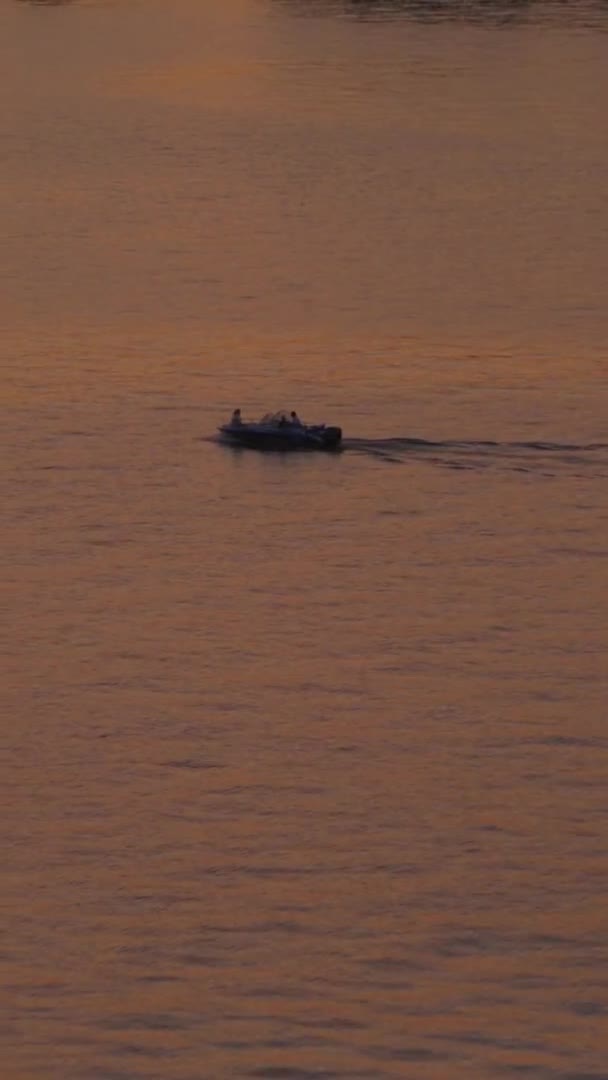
(303, 756)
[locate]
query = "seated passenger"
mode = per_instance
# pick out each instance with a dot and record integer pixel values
(295, 419)
(236, 418)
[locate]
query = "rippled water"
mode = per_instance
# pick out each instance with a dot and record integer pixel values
(304, 756)
(589, 14)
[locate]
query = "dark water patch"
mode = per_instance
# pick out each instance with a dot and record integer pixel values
(470, 944)
(524, 1069)
(292, 1072)
(192, 763)
(406, 1053)
(202, 960)
(101, 1072)
(149, 1022)
(154, 978)
(595, 743)
(550, 941)
(278, 992)
(288, 1042)
(394, 963)
(294, 872)
(588, 1008)
(494, 14)
(477, 943)
(270, 926)
(578, 552)
(499, 1042)
(333, 1023)
(53, 467)
(96, 467)
(139, 1050)
(264, 791)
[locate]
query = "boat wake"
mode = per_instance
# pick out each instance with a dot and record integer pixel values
(530, 456)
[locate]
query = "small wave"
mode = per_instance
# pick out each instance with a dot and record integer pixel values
(408, 442)
(521, 456)
(554, 446)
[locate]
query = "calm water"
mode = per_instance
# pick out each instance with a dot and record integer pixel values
(303, 758)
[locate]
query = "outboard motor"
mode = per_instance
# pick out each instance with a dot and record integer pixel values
(332, 436)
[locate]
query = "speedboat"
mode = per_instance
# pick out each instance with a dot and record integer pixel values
(278, 431)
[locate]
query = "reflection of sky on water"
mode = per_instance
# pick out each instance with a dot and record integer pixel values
(496, 12)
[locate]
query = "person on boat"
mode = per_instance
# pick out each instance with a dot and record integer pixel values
(295, 419)
(236, 418)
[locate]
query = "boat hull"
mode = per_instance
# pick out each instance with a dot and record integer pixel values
(289, 437)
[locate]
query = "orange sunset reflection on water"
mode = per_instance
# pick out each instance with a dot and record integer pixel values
(303, 756)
